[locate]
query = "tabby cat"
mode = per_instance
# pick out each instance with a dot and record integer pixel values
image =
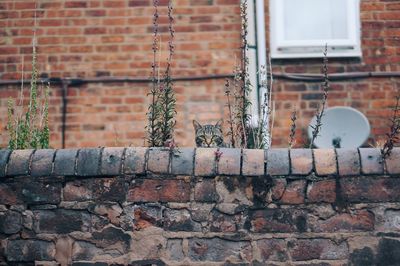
(209, 136)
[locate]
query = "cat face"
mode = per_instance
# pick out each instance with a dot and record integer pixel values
(209, 136)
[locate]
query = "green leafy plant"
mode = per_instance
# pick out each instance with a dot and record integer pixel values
(162, 109)
(29, 129)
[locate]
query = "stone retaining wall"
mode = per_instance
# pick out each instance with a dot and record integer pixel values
(147, 206)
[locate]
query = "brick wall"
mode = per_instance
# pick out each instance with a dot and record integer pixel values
(139, 206)
(113, 38)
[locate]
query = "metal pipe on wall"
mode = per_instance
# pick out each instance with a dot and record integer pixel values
(301, 77)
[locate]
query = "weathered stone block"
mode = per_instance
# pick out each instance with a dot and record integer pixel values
(229, 161)
(158, 161)
(59, 221)
(204, 191)
(253, 163)
(42, 162)
(112, 236)
(361, 220)
(273, 249)
(135, 160)
(348, 162)
(8, 194)
(183, 162)
(37, 192)
(111, 161)
(10, 222)
(18, 163)
(325, 162)
(277, 162)
(175, 191)
(294, 192)
(393, 162)
(88, 162)
(180, 220)
(85, 251)
(217, 249)
(365, 189)
(4, 155)
(276, 221)
(30, 250)
(324, 249)
(224, 223)
(78, 190)
(144, 190)
(278, 188)
(301, 161)
(109, 189)
(322, 191)
(205, 162)
(388, 252)
(64, 162)
(175, 250)
(371, 161)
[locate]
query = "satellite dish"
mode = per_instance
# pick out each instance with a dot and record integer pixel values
(342, 127)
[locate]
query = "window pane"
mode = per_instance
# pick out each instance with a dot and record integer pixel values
(315, 19)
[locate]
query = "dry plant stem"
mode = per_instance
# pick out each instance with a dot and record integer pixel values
(292, 135)
(230, 122)
(244, 126)
(152, 110)
(393, 136)
(167, 96)
(320, 112)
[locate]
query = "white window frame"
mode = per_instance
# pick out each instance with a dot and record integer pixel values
(281, 48)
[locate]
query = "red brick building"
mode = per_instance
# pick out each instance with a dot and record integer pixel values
(99, 39)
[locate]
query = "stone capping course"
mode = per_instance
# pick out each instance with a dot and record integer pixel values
(204, 162)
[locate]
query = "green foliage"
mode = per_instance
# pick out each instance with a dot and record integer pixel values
(29, 130)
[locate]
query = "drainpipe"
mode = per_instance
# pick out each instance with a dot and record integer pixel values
(261, 45)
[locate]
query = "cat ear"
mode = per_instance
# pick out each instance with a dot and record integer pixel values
(219, 123)
(196, 125)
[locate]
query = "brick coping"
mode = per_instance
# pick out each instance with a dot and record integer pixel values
(205, 162)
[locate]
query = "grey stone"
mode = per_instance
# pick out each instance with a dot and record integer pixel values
(111, 161)
(175, 250)
(183, 161)
(348, 162)
(42, 162)
(371, 161)
(277, 162)
(64, 163)
(10, 222)
(135, 160)
(4, 155)
(60, 221)
(33, 192)
(88, 162)
(30, 250)
(18, 164)
(180, 220)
